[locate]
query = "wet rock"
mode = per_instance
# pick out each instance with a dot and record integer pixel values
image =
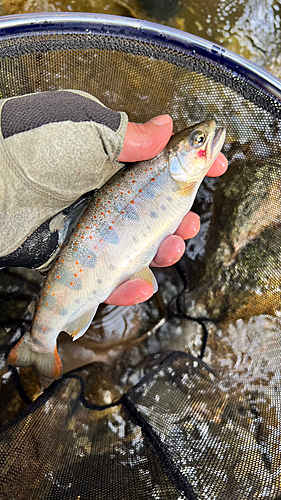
(239, 274)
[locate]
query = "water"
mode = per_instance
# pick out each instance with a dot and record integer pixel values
(250, 28)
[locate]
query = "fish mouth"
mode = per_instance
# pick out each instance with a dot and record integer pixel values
(215, 142)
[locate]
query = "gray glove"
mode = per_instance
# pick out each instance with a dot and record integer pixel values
(54, 148)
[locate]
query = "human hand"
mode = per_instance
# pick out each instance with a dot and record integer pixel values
(142, 142)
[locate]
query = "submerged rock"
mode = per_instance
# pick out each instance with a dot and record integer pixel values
(239, 274)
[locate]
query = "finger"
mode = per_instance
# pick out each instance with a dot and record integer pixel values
(219, 166)
(131, 292)
(144, 141)
(189, 226)
(169, 252)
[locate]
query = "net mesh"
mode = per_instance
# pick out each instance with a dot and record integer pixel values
(174, 426)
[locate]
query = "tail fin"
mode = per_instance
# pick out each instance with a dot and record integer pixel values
(49, 364)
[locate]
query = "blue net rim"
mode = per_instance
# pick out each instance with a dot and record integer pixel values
(108, 25)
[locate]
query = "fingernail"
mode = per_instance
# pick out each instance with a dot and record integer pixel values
(161, 120)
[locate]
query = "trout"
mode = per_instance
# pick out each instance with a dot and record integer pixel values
(116, 238)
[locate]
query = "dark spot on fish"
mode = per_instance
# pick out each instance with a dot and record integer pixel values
(163, 207)
(99, 281)
(111, 267)
(63, 311)
(86, 257)
(148, 193)
(76, 284)
(153, 215)
(130, 213)
(77, 301)
(135, 239)
(169, 198)
(110, 236)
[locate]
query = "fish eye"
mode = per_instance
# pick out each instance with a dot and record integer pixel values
(197, 138)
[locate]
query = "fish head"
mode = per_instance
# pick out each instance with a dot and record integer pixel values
(191, 153)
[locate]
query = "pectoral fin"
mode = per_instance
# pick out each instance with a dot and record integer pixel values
(147, 275)
(80, 325)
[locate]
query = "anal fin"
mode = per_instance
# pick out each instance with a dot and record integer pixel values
(147, 275)
(80, 324)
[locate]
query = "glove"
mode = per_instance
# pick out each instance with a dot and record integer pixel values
(55, 148)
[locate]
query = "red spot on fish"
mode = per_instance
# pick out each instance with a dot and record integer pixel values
(118, 185)
(146, 170)
(102, 213)
(89, 257)
(79, 225)
(109, 211)
(121, 192)
(75, 234)
(122, 212)
(140, 190)
(98, 199)
(45, 294)
(49, 286)
(95, 248)
(151, 168)
(44, 328)
(110, 227)
(95, 225)
(101, 240)
(80, 270)
(97, 204)
(82, 220)
(71, 283)
(129, 192)
(108, 202)
(75, 249)
(153, 179)
(36, 317)
(132, 201)
(62, 261)
(95, 216)
(75, 275)
(56, 261)
(115, 197)
(87, 227)
(110, 190)
(132, 175)
(76, 263)
(112, 221)
(58, 277)
(91, 237)
(82, 237)
(201, 153)
(53, 294)
(47, 304)
(133, 182)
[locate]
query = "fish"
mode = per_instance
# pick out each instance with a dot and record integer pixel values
(116, 238)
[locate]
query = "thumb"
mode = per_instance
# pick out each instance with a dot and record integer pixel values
(146, 140)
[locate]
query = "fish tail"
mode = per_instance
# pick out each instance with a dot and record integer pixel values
(49, 364)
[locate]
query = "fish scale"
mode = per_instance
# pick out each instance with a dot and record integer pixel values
(115, 239)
